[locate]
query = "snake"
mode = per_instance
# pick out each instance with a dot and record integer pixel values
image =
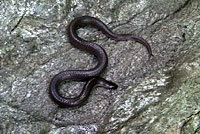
(91, 77)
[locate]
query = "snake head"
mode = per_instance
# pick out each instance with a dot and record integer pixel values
(100, 82)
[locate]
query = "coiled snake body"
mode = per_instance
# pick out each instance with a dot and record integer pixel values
(91, 76)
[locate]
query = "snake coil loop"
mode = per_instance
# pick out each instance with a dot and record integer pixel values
(91, 76)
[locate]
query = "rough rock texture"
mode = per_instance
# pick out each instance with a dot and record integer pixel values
(161, 96)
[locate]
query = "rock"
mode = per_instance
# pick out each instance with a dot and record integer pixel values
(160, 96)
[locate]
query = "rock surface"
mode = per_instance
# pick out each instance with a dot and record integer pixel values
(160, 96)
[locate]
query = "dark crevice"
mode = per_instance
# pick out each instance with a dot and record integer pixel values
(19, 21)
(176, 11)
(159, 20)
(187, 121)
(156, 21)
(182, 7)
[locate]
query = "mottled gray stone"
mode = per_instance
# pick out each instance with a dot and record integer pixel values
(160, 96)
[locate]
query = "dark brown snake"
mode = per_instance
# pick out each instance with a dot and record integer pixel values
(91, 76)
